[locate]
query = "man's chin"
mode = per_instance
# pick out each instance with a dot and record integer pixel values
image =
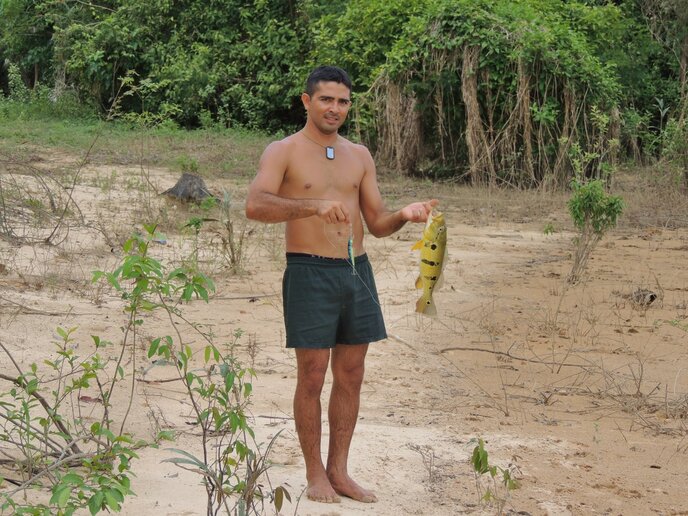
(328, 129)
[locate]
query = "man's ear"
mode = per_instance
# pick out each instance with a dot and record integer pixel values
(306, 100)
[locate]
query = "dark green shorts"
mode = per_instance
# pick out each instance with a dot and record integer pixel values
(326, 304)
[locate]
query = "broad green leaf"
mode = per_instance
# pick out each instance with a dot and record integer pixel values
(60, 495)
(111, 501)
(95, 502)
(153, 347)
(71, 478)
(116, 494)
(150, 228)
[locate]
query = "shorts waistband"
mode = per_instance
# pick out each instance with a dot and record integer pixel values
(314, 259)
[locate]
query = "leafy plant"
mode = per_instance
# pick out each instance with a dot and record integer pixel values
(500, 481)
(232, 468)
(187, 164)
(85, 467)
(593, 212)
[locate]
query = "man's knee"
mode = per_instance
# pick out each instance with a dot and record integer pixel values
(312, 369)
(348, 372)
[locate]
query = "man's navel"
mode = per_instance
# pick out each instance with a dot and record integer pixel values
(307, 186)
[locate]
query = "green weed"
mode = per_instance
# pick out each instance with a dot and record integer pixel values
(500, 481)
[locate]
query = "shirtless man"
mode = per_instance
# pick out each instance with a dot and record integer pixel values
(320, 184)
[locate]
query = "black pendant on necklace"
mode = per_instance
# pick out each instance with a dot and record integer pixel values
(329, 153)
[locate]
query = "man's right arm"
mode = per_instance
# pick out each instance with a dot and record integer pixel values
(263, 203)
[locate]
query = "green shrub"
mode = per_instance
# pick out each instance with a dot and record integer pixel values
(593, 212)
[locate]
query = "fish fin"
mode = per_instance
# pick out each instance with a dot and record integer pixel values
(426, 306)
(417, 245)
(419, 282)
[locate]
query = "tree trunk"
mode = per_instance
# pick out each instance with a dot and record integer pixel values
(526, 121)
(189, 187)
(399, 128)
(479, 156)
(614, 136)
(683, 76)
(560, 166)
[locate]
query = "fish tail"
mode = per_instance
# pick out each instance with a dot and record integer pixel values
(425, 305)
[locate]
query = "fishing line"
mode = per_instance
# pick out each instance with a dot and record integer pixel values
(350, 258)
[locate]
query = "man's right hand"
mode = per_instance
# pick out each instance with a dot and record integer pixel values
(332, 212)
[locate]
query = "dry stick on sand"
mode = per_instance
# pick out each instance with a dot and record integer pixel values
(509, 355)
(31, 311)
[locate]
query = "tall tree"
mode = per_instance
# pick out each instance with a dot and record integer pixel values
(668, 22)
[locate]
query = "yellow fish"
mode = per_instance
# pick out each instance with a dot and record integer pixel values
(433, 254)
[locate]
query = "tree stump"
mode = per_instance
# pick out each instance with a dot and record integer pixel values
(190, 187)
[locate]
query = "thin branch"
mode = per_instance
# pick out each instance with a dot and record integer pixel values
(544, 362)
(47, 470)
(17, 381)
(11, 358)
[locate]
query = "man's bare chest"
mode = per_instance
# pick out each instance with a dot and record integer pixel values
(317, 178)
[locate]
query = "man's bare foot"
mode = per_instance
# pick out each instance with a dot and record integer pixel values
(321, 491)
(345, 486)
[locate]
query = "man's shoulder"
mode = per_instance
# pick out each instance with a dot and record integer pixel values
(281, 147)
(356, 147)
(285, 143)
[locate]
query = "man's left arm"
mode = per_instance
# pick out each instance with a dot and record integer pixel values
(382, 222)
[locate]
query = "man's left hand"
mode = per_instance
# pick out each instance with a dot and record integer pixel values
(418, 211)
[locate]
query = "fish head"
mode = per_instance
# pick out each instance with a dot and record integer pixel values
(435, 227)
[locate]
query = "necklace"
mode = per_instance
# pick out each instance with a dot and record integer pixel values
(329, 150)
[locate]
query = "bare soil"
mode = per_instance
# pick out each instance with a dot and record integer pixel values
(581, 390)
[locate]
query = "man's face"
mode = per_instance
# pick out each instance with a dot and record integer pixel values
(328, 106)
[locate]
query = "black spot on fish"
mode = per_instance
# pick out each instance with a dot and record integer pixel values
(433, 278)
(428, 262)
(433, 246)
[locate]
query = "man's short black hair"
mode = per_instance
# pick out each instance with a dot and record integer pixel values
(327, 74)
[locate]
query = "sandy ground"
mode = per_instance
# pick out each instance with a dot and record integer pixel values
(582, 391)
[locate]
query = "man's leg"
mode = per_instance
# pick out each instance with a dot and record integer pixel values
(311, 369)
(347, 370)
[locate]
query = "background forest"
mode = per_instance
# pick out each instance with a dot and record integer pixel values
(526, 93)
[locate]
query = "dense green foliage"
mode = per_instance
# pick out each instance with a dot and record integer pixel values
(505, 91)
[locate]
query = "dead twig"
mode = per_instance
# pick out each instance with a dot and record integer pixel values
(509, 355)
